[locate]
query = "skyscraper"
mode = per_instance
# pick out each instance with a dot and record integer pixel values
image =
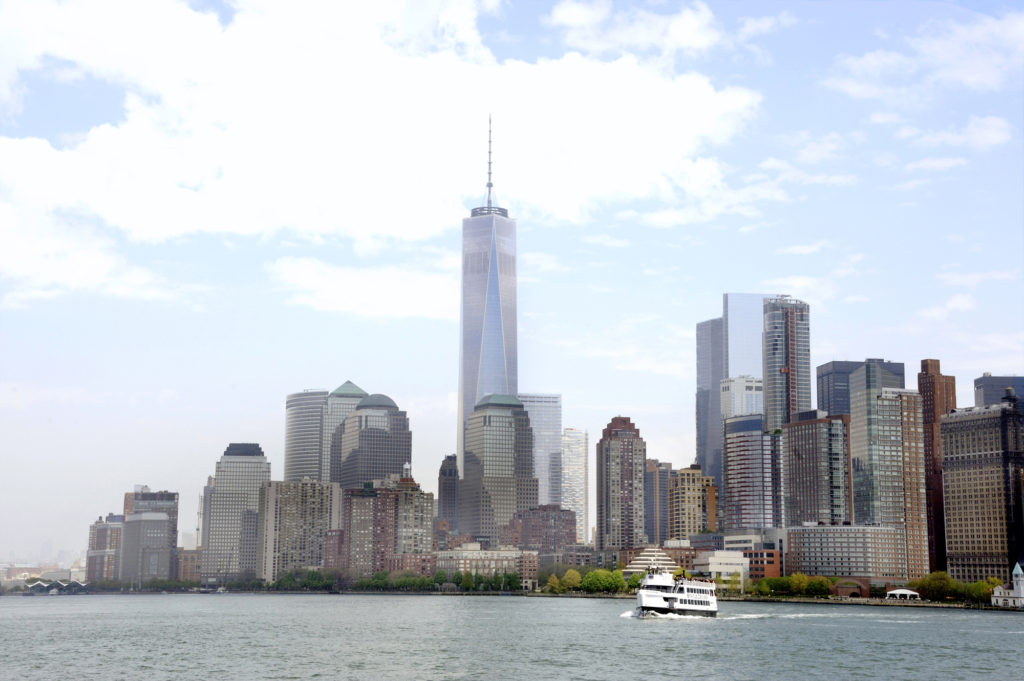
(621, 458)
(144, 500)
(983, 489)
(938, 398)
(314, 422)
(989, 389)
(575, 472)
(488, 362)
(103, 558)
(656, 483)
(497, 475)
(376, 442)
(887, 452)
(741, 395)
(691, 503)
(294, 518)
(545, 412)
(834, 382)
(787, 360)
(448, 492)
(727, 346)
(750, 476)
(229, 549)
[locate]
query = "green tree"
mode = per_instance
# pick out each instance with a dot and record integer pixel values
(937, 586)
(734, 581)
(467, 581)
(494, 582)
(457, 578)
(818, 587)
(440, 577)
(798, 583)
(634, 581)
(512, 582)
(618, 582)
(571, 580)
(553, 585)
(596, 581)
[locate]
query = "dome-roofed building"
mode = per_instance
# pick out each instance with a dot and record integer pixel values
(375, 442)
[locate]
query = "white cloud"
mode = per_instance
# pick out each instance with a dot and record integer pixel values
(788, 173)
(232, 138)
(591, 27)
(532, 264)
(370, 292)
(605, 240)
(885, 118)
(911, 184)
(802, 249)
(973, 279)
(960, 302)
(751, 27)
(982, 54)
(824, 148)
(935, 164)
(981, 132)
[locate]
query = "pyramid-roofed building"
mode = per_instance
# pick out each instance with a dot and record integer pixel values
(651, 558)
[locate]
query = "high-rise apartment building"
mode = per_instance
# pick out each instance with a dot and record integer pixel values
(989, 389)
(656, 484)
(983, 489)
(314, 423)
(545, 412)
(787, 360)
(834, 382)
(231, 526)
(575, 471)
(448, 492)
(887, 453)
(488, 356)
(294, 518)
(497, 469)
(691, 503)
(740, 396)
(816, 469)
(376, 442)
(621, 459)
(103, 557)
(938, 398)
(727, 346)
(751, 475)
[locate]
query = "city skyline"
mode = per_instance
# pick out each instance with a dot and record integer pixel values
(182, 250)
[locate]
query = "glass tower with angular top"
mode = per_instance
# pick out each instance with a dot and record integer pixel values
(487, 347)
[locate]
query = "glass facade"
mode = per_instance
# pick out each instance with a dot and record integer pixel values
(834, 382)
(742, 326)
(487, 350)
(710, 372)
(545, 412)
(751, 475)
(303, 434)
(376, 442)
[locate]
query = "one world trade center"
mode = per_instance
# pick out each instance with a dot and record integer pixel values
(487, 350)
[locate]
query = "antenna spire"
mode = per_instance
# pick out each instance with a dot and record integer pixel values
(489, 183)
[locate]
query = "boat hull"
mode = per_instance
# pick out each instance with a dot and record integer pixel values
(676, 611)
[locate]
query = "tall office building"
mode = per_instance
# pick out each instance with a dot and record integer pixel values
(983, 489)
(691, 503)
(102, 559)
(656, 484)
(376, 442)
(938, 398)
(740, 396)
(751, 475)
(545, 412)
(144, 500)
(497, 474)
(294, 518)
(887, 452)
(710, 372)
(816, 469)
(229, 551)
(621, 459)
(314, 422)
(488, 363)
(448, 492)
(727, 346)
(834, 382)
(787, 360)
(575, 472)
(989, 389)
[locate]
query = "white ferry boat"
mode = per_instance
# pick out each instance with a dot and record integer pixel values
(662, 593)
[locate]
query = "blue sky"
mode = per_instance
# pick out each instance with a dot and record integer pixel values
(204, 207)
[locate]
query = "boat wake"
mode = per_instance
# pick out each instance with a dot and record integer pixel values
(636, 614)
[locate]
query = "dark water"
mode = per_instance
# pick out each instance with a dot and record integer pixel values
(237, 636)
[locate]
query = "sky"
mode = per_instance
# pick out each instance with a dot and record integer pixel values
(206, 206)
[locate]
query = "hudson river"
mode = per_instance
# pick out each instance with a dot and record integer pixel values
(243, 636)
